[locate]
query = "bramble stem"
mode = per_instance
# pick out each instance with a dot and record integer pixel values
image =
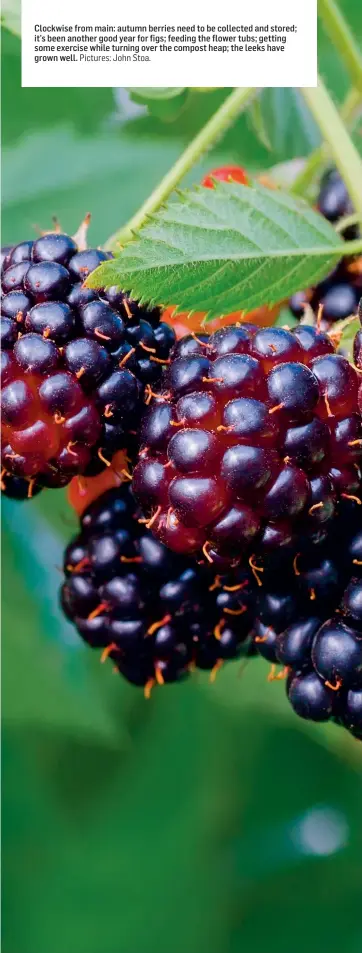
(335, 134)
(319, 156)
(347, 221)
(235, 103)
(342, 38)
(352, 248)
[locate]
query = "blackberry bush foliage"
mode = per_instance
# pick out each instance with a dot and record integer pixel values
(156, 614)
(75, 363)
(251, 444)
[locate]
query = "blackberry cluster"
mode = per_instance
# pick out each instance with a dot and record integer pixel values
(336, 297)
(313, 627)
(156, 614)
(75, 364)
(357, 353)
(251, 445)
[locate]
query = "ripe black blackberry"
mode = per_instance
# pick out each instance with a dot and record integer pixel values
(154, 613)
(251, 444)
(75, 362)
(336, 297)
(311, 625)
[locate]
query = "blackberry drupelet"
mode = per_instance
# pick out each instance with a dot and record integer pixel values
(156, 614)
(251, 445)
(17, 488)
(75, 362)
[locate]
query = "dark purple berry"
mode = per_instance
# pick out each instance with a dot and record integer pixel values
(8, 332)
(293, 645)
(36, 354)
(15, 305)
(310, 698)
(337, 655)
(14, 277)
(339, 302)
(20, 252)
(53, 319)
(83, 262)
(54, 247)
(47, 280)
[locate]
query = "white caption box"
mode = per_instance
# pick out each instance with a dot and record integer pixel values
(264, 43)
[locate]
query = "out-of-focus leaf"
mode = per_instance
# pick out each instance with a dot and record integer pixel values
(165, 102)
(106, 175)
(45, 680)
(284, 173)
(11, 16)
(256, 117)
(283, 123)
(151, 93)
(245, 688)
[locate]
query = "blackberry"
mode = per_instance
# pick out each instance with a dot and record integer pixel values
(225, 173)
(77, 365)
(336, 297)
(155, 613)
(294, 644)
(250, 444)
(308, 619)
(337, 655)
(333, 201)
(310, 697)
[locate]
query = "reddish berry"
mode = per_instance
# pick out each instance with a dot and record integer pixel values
(75, 362)
(225, 173)
(242, 453)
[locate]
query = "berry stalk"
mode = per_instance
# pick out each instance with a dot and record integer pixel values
(317, 159)
(342, 37)
(238, 100)
(334, 132)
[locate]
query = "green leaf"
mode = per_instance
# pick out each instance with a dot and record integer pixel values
(283, 124)
(163, 102)
(148, 93)
(225, 249)
(11, 16)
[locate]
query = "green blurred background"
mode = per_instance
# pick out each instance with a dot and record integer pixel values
(210, 819)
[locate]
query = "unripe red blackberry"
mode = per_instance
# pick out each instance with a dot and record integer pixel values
(75, 363)
(156, 614)
(250, 444)
(225, 173)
